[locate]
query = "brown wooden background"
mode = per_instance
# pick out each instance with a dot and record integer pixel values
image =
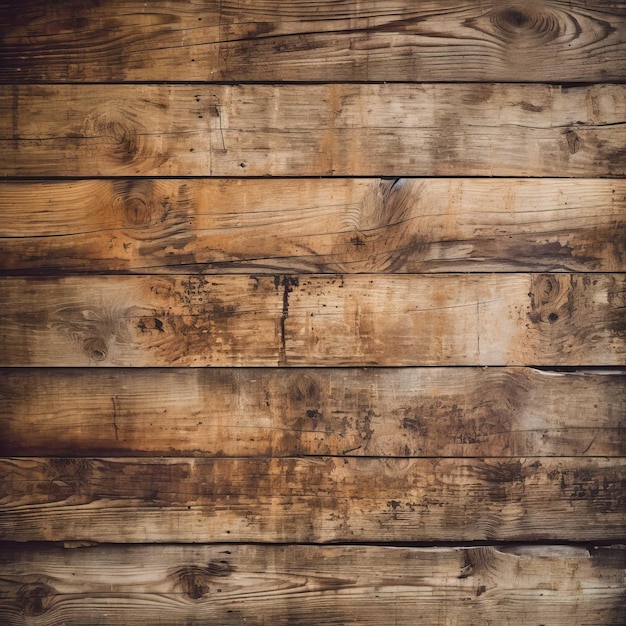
(313, 312)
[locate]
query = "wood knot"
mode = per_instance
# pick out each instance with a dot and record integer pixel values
(195, 583)
(123, 139)
(137, 210)
(550, 299)
(573, 141)
(147, 324)
(195, 580)
(304, 388)
(95, 348)
(35, 598)
(70, 469)
(524, 22)
(515, 17)
(89, 329)
(134, 200)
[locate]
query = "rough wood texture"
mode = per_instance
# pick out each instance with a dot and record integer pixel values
(321, 499)
(226, 584)
(320, 225)
(433, 40)
(313, 130)
(488, 319)
(272, 412)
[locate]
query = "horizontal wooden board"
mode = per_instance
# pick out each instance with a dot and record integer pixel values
(276, 412)
(322, 499)
(486, 319)
(433, 40)
(314, 130)
(235, 584)
(312, 225)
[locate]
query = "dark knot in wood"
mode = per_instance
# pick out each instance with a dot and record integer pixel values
(35, 598)
(525, 22)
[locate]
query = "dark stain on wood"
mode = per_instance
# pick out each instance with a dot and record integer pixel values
(287, 283)
(573, 141)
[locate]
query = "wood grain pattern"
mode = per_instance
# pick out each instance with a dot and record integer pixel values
(246, 412)
(313, 130)
(235, 584)
(488, 319)
(433, 40)
(313, 500)
(312, 225)
(236, 208)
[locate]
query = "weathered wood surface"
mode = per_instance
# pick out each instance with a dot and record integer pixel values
(433, 40)
(314, 130)
(235, 584)
(318, 499)
(301, 412)
(312, 225)
(480, 319)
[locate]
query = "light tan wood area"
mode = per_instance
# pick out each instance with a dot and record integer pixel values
(226, 584)
(312, 225)
(313, 130)
(402, 412)
(488, 319)
(318, 499)
(270, 40)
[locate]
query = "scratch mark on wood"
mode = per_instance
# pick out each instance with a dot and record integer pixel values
(287, 282)
(114, 400)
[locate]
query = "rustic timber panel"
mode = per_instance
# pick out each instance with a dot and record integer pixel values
(321, 499)
(313, 130)
(270, 40)
(464, 412)
(304, 225)
(480, 319)
(118, 157)
(235, 584)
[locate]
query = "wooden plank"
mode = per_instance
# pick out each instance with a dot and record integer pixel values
(246, 412)
(313, 500)
(235, 584)
(433, 40)
(481, 319)
(312, 225)
(313, 130)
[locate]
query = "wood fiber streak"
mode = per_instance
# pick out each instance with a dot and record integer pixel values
(233, 584)
(433, 40)
(465, 412)
(320, 499)
(403, 320)
(401, 225)
(313, 130)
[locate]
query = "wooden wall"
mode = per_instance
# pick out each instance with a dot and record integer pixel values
(313, 312)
